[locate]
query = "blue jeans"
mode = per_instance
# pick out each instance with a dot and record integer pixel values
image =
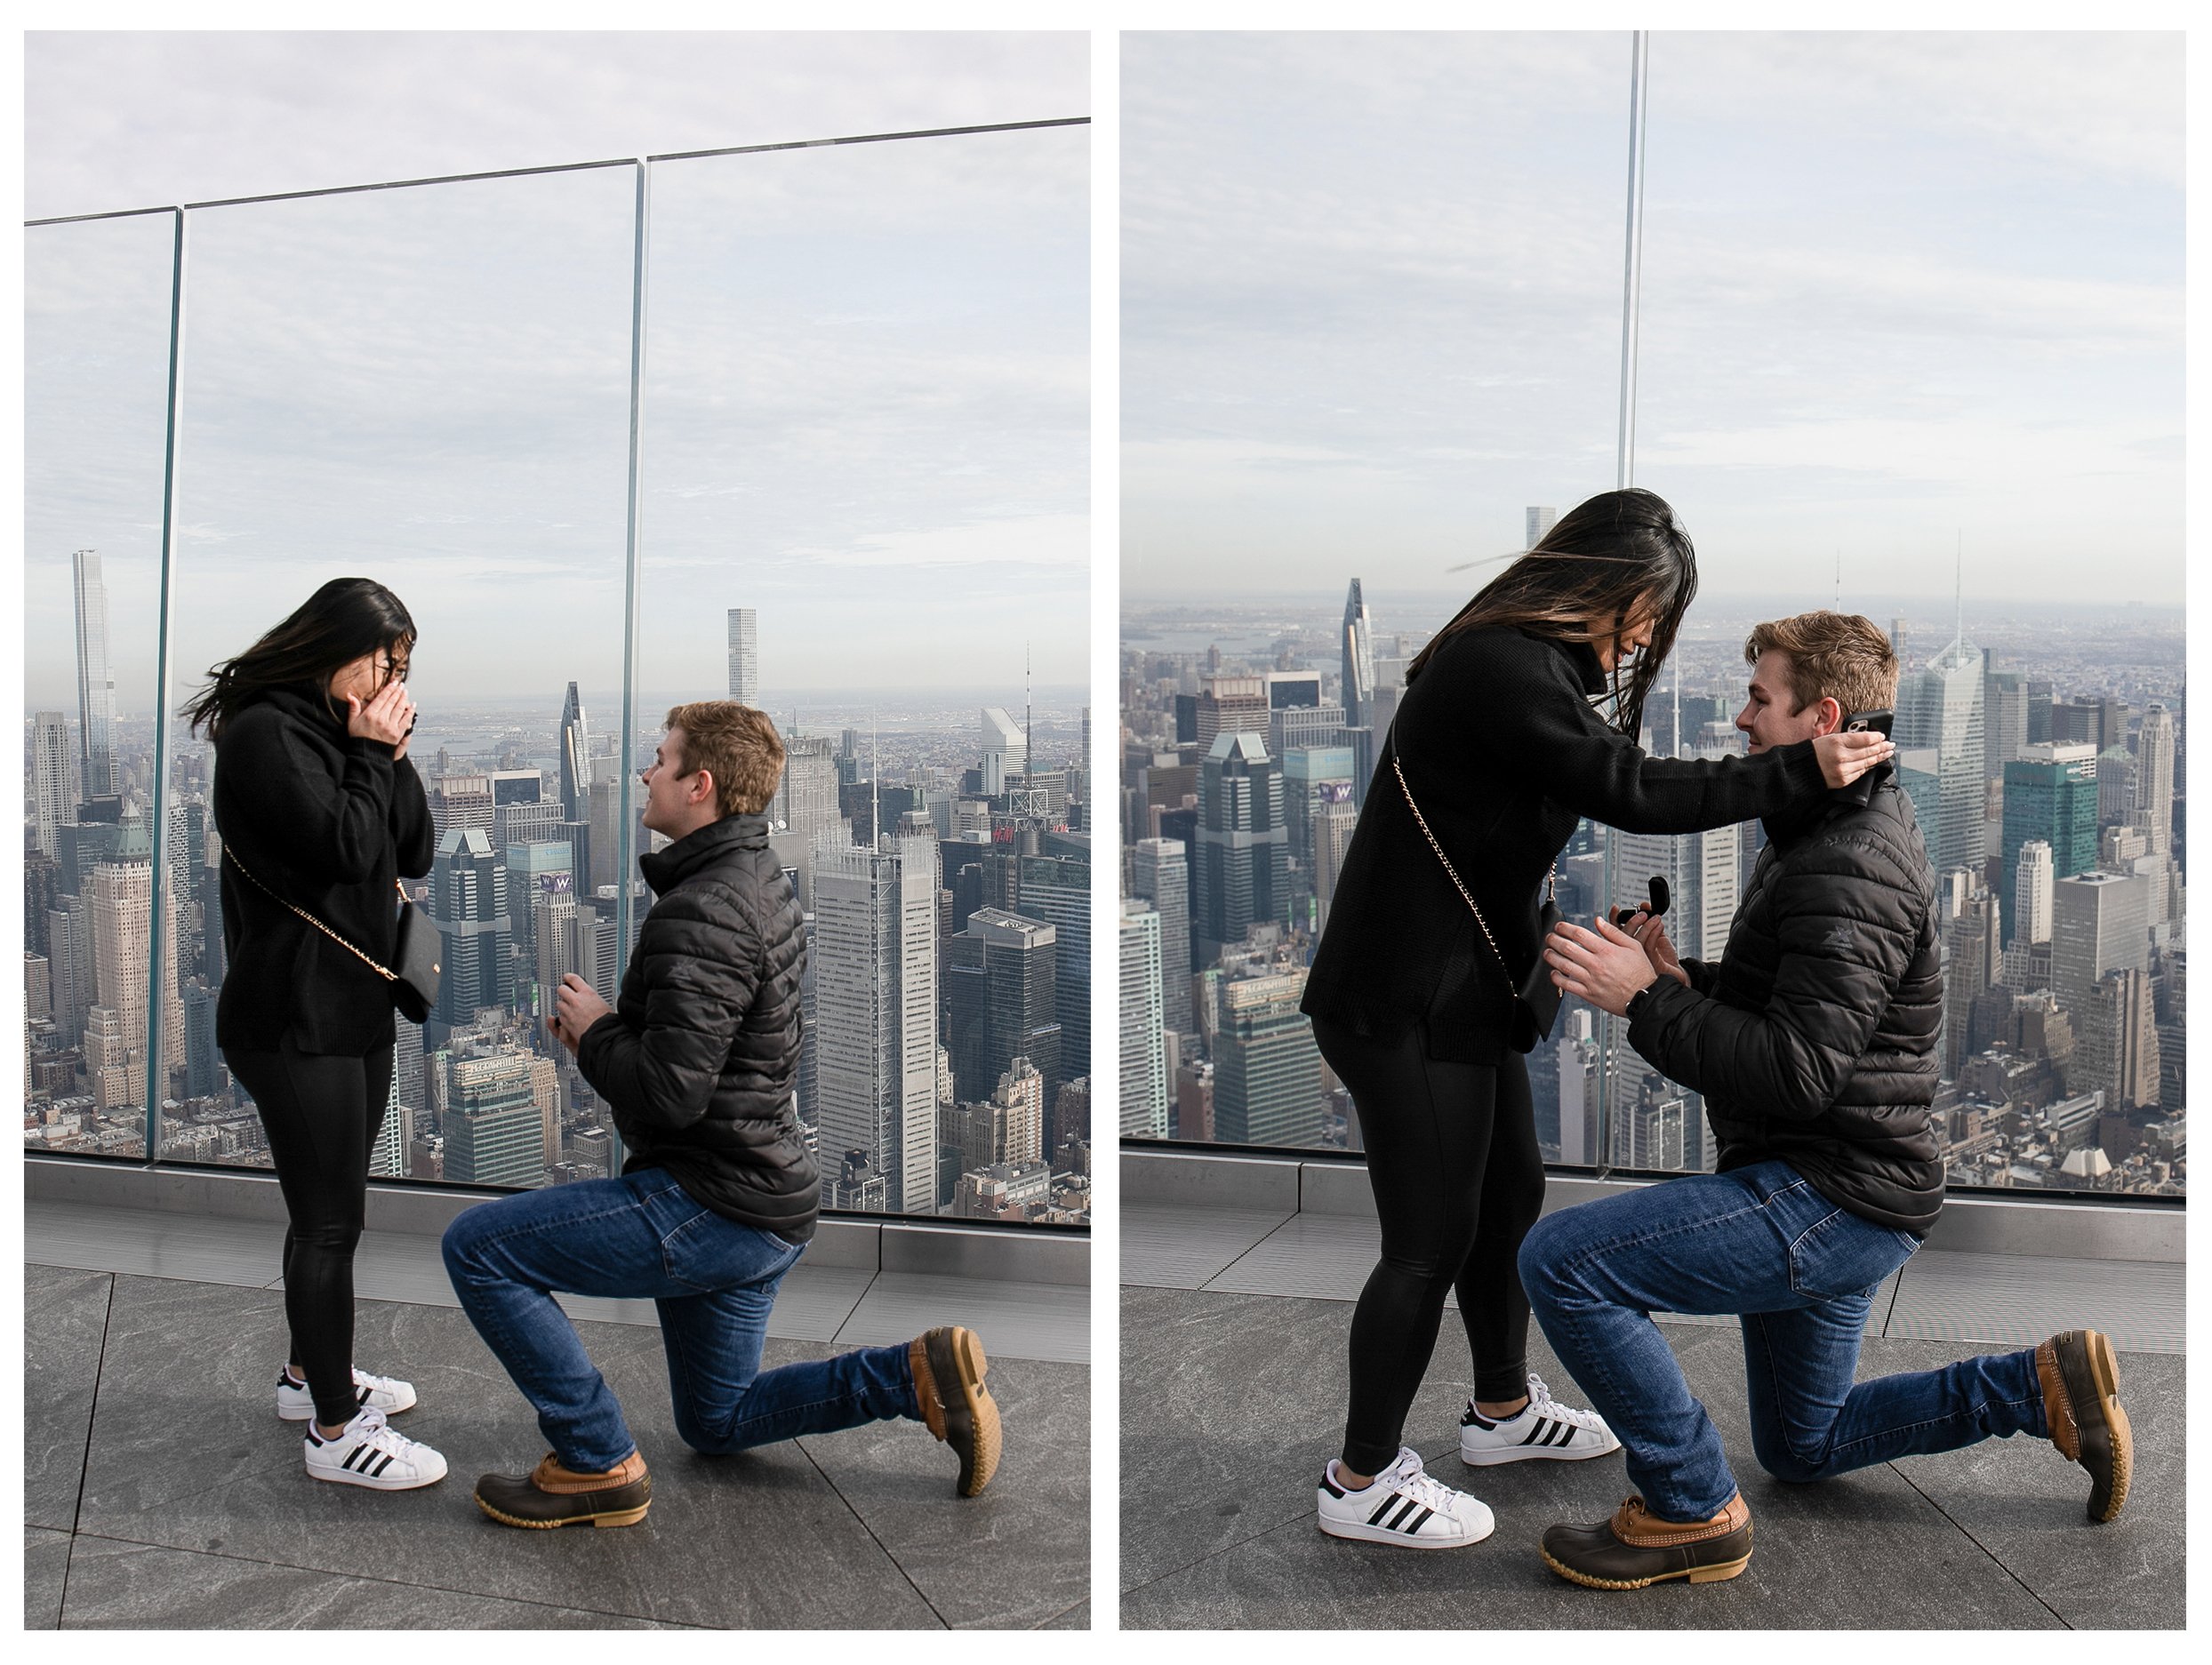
(714, 1282)
(1760, 1242)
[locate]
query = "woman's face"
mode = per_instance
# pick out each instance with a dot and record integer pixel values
(1616, 639)
(365, 676)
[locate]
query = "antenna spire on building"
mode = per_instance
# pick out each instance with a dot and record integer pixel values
(1959, 590)
(875, 780)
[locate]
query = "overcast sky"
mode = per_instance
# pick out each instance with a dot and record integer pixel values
(867, 395)
(1897, 290)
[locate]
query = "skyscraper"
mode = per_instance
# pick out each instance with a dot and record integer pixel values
(95, 681)
(2050, 797)
(1244, 849)
(1057, 890)
(1160, 875)
(575, 759)
(807, 796)
(119, 911)
(1143, 1046)
(745, 656)
(1539, 521)
(1356, 642)
(2100, 923)
(493, 1130)
(876, 1010)
(468, 903)
(54, 783)
(1267, 1071)
(1005, 752)
(2154, 779)
(1231, 705)
(1941, 706)
(1000, 979)
(2032, 882)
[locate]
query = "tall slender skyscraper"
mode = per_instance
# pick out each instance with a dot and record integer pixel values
(1358, 643)
(1539, 521)
(2154, 779)
(469, 903)
(1940, 707)
(875, 957)
(1143, 1046)
(1243, 848)
(1160, 874)
(95, 680)
(576, 760)
(745, 656)
(1000, 979)
(53, 791)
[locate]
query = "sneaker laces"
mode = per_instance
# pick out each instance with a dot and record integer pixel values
(370, 1428)
(1408, 1476)
(1539, 1397)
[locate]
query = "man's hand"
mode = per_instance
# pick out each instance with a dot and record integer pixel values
(576, 1007)
(1651, 931)
(1604, 968)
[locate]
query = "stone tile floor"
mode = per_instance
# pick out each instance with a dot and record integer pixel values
(1242, 1400)
(161, 1492)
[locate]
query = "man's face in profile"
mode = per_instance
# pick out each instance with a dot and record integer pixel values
(1770, 716)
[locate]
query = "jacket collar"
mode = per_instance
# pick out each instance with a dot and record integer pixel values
(1788, 828)
(672, 866)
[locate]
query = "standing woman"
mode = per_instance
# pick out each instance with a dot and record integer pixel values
(320, 810)
(1520, 717)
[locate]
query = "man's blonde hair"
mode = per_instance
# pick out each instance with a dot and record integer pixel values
(1839, 656)
(737, 745)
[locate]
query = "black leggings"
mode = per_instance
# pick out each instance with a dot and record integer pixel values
(322, 1112)
(1458, 1182)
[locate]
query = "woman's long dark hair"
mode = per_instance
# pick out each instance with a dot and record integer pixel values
(345, 619)
(1601, 565)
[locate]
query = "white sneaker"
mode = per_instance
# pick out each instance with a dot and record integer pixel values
(1543, 1428)
(388, 1394)
(1403, 1506)
(369, 1454)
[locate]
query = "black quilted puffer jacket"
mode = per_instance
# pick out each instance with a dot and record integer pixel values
(1813, 1040)
(698, 1057)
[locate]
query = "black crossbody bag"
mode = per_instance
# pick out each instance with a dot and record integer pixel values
(414, 985)
(1535, 1004)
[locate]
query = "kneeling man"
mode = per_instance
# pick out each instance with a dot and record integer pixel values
(1813, 1040)
(718, 1196)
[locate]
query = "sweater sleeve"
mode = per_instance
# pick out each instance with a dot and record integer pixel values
(698, 961)
(414, 835)
(333, 828)
(1839, 967)
(1513, 706)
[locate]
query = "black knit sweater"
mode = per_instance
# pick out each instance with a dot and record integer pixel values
(1504, 752)
(327, 822)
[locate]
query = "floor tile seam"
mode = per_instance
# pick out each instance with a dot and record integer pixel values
(1996, 1560)
(1051, 1618)
(370, 1578)
(852, 1509)
(92, 1414)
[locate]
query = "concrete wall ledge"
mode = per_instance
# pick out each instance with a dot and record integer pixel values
(950, 1249)
(2024, 1225)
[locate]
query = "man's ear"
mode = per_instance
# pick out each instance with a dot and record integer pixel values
(1831, 716)
(705, 789)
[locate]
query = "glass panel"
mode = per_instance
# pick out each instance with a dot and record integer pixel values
(96, 369)
(866, 421)
(1371, 313)
(1920, 358)
(429, 388)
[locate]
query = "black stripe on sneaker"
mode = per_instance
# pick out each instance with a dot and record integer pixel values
(352, 1457)
(361, 1393)
(377, 1473)
(1534, 1432)
(1397, 1522)
(1384, 1507)
(1414, 1525)
(1331, 1487)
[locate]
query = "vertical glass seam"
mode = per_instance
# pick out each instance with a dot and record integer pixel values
(625, 802)
(156, 965)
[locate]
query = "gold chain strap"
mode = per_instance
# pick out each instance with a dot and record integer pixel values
(1421, 821)
(389, 977)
